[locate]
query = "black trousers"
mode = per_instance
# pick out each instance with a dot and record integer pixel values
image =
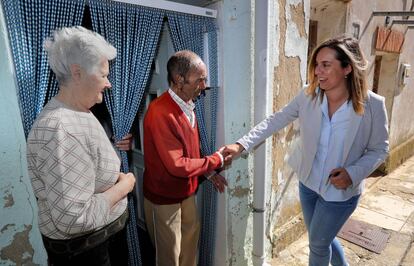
(114, 251)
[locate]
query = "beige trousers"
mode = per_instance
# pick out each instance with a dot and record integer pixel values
(174, 231)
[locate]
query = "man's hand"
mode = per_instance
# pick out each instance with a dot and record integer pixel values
(219, 182)
(125, 144)
(340, 178)
(226, 159)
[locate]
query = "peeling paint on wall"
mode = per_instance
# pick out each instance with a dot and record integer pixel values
(239, 192)
(8, 199)
(288, 80)
(20, 239)
(298, 16)
(286, 67)
(19, 251)
(237, 65)
(6, 227)
(291, 133)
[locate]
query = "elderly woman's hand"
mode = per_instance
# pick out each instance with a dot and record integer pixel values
(122, 187)
(127, 181)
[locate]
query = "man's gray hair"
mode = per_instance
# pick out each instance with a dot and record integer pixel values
(76, 45)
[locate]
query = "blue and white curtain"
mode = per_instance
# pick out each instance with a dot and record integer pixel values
(187, 33)
(134, 31)
(29, 22)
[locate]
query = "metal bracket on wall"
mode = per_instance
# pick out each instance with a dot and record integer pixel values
(393, 13)
(389, 14)
(402, 22)
(258, 210)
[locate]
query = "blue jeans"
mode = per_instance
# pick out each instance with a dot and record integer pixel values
(323, 220)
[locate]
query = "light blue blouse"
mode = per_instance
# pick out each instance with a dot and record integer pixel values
(330, 149)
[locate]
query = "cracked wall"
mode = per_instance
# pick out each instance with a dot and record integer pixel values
(284, 216)
(234, 225)
(20, 240)
(19, 251)
(287, 52)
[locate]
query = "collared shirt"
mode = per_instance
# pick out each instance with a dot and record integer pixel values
(186, 107)
(330, 149)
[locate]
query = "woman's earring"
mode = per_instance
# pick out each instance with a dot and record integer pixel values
(346, 76)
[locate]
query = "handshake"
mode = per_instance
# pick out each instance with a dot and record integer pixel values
(228, 152)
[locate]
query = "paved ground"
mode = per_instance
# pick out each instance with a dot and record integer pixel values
(387, 202)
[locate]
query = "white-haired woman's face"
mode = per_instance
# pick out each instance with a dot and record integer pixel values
(93, 85)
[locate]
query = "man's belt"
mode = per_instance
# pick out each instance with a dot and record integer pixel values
(83, 243)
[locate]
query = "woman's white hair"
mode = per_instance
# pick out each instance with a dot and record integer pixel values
(76, 45)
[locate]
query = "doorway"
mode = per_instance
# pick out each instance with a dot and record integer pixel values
(385, 78)
(157, 85)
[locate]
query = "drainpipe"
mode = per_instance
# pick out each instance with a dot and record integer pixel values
(261, 94)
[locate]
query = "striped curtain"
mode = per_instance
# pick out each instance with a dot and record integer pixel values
(29, 22)
(134, 31)
(187, 33)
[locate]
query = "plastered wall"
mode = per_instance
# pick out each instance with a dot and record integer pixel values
(287, 51)
(289, 70)
(399, 98)
(20, 240)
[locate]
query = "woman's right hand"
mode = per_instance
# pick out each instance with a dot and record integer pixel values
(127, 181)
(123, 186)
(231, 151)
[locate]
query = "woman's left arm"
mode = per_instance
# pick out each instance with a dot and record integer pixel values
(377, 148)
(69, 177)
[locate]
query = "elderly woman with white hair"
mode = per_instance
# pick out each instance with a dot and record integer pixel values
(74, 169)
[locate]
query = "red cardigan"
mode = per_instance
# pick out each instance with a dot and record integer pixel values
(172, 153)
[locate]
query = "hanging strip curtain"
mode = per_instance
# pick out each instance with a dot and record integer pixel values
(187, 32)
(29, 22)
(134, 31)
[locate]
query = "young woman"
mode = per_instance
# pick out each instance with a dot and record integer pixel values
(343, 139)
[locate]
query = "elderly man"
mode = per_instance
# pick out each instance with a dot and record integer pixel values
(173, 163)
